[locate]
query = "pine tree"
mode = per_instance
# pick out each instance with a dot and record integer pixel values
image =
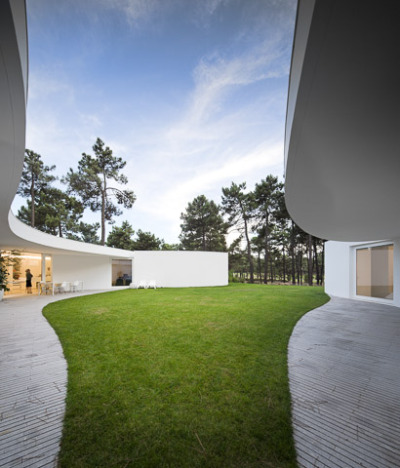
(268, 196)
(91, 184)
(35, 179)
(203, 226)
(121, 237)
(147, 241)
(239, 206)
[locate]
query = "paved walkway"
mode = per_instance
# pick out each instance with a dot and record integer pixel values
(344, 369)
(33, 378)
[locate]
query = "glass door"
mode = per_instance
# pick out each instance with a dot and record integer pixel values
(375, 271)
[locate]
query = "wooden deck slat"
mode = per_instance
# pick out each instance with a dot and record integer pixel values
(346, 448)
(340, 408)
(344, 372)
(357, 428)
(33, 379)
(344, 378)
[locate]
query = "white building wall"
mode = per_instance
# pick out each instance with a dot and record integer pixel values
(93, 270)
(167, 268)
(396, 273)
(337, 269)
(340, 270)
(180, 268)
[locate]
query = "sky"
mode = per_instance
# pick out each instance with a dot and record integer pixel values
(191, 93)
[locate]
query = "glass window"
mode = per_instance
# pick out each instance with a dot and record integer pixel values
(48, 267)
(18, 263)
(121, 272)
(375, 271)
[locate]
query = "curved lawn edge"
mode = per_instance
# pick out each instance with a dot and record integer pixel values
(180, 377)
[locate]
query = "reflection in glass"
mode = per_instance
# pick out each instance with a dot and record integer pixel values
(375, 271)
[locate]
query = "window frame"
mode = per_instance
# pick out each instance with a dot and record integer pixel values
(390, 301)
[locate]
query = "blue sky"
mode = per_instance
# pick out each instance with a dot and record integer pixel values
(192, 93)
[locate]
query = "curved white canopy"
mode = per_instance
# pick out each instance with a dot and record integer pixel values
(343, 120)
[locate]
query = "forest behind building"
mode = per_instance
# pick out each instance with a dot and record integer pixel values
(264, 244)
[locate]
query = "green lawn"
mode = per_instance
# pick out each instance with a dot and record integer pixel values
(180, 377)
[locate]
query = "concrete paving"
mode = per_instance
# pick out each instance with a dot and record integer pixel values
(344, 370)
(33, 379)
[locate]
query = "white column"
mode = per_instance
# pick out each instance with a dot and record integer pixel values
(43, 267)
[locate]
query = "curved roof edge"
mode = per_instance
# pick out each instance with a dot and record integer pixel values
(342, 134)
(35, 240)
(302, 28)
(13, 54)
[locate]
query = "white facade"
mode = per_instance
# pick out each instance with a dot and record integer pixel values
(337, 269)
(342, 141)
(93, 271)
(169, 269)
(183, 269)
(341, 273)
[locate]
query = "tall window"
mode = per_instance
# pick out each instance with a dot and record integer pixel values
(48, 268)
(18, 263)
(375, 272)
(121, 272)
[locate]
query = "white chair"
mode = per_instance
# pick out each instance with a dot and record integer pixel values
(152, 284)
(77, 286)
(143, 284)
(63, 287)
(46, 287)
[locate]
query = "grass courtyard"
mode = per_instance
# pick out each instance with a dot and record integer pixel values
(179, 377)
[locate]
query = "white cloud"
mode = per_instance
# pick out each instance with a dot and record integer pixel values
(135, 11)
(236, 167)
(215, 80)
(42, 86)
(215, 142)
(57, 128)
(209, 177)
(210, 6)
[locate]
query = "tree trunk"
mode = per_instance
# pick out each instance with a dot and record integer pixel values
(293, 265)
(299, 267)
(316, 261)
(284, 264)
(103, 211)
(292, 252)
(33, 201)
(266, 251)
(310, 265)
(272, 270)
(249, 256)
